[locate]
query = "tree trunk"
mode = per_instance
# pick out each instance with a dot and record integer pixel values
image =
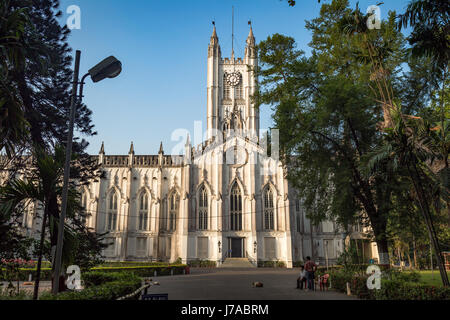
(425, 209)
(383, 253)
(415, 253)
(409, 259)
(41, 247)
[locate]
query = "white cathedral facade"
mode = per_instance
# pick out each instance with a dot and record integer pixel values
(224, 198)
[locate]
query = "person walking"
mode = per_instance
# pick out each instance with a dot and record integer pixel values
(310, 268)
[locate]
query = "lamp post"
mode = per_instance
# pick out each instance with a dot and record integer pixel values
(108, 68)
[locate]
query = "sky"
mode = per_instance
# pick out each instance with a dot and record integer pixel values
(163, 45)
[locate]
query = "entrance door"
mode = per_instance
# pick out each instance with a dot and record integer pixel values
(236, 247)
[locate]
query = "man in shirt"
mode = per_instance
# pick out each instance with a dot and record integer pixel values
(310, 268)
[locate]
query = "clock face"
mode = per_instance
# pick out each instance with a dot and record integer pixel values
(233, 79)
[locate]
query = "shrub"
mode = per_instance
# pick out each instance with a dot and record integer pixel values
(202, 264)
(112, 287)
(401, 290)
(162, 269)
(271, 264)
(298, 264)
(96, 278)
(23, 274)
(395, 285)
(145, 271)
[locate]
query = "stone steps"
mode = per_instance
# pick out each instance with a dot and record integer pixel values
(236, 263)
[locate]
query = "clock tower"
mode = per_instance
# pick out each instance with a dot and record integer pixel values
(231, 83)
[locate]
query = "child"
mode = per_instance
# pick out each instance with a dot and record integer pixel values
(324, 282)
(302, 279)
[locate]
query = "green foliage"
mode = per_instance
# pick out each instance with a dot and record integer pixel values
(298, 264)
(402, 290)
(202, 264)
(96, 278)
(102, 287)
(145, 271)
(395, 285)
(271, 264)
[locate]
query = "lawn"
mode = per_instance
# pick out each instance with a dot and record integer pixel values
(431, 277)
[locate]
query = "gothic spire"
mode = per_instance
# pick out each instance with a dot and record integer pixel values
(213, 47)
(188, 141)
(102, 148)
(161, 150)
(251, 37)
(250, 48)
(214, 39)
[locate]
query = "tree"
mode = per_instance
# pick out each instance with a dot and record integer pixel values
(327, 116)
(417, 146)
(13, 126)
(41, 183)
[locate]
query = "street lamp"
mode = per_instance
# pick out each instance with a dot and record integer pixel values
(108, 68)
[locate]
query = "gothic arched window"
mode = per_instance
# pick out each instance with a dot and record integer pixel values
(239, 91)
(268, 209)
(112, 212)
(203, 209)
(84, 206)
(143, 211)
(235, 208)
(226, 88)
(174, 205)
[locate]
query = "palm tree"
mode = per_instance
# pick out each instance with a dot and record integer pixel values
(430, 22)
(412, 143)
(409, 141)
(43, 185)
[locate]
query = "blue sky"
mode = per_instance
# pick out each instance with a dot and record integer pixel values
(163, 48)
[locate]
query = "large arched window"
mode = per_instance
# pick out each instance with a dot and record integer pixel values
(235, 208)
(268, 209)
(112, 212)
(226, 88)
(239, 91)
(143, 211)
(203, 209)
(174, 205)
(84, 207)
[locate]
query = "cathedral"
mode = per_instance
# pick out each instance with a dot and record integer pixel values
(225, 198)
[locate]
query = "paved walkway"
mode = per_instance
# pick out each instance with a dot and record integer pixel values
(236, 284)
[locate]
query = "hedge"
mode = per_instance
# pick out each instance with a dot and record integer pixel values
(271, 264)
(202, 264)
(110, 286)
(401, 290)
(394, 286)
(146, 271)
(142, 271)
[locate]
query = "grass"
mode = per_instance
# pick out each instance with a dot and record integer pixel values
(431, 277)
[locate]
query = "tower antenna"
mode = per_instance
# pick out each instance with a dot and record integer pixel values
(232, 32)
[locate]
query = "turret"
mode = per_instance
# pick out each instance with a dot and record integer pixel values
(251, 60)
(214, 58)
(187, 150)
(101, 154)
(131, 155)
(161, 154)
(250, 48)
